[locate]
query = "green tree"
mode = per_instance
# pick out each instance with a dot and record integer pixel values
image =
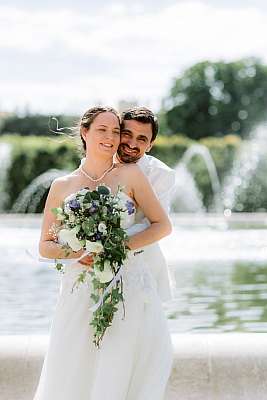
(217, 98)
(34, 124)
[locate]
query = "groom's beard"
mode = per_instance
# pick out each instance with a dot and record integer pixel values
(128, 158)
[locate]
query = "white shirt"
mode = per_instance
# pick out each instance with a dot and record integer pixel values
(161, 177)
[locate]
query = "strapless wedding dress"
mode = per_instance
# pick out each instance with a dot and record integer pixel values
(135, 357)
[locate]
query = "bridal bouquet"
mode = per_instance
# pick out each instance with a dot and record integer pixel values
(92, 220)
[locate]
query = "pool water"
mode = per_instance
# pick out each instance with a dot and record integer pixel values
(218, 274)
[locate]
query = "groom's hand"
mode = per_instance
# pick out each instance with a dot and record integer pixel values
(87, 260)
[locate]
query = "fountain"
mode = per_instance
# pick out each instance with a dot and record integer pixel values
(187, 196)
(5, 157)
(31, 196)
(244, 168)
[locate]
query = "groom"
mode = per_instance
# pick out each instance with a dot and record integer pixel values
(138, 134)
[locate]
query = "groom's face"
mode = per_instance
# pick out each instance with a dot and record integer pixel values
(135, 140)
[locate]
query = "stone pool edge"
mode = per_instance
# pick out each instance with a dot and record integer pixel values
(206, 366)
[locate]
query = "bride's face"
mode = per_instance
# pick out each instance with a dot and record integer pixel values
(103, 136)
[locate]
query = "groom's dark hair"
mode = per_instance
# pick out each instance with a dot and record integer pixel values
(141, 114)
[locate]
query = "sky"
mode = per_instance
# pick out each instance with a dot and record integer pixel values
(63, 57)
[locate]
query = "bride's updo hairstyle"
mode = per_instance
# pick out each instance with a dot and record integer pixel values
(90, 115)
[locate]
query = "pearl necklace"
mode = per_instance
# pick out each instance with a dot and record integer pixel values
(101, 177)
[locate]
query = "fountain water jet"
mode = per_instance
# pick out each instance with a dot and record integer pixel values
(245, 165)
(189, 198)
(31, 196)
(5, 157)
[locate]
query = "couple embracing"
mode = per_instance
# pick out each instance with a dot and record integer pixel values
(135, 358)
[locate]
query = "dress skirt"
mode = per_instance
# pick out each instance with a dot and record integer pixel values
(135, 357)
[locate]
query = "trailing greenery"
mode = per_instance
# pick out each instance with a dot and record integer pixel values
(32, 156)
(94, 220)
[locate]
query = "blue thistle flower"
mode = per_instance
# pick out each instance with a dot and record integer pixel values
(98, 236)
(74, 204)
(130, 207)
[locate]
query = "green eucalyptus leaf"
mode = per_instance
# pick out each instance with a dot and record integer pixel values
(103, 190)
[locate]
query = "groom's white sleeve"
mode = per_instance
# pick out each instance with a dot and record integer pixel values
(164, 187)
(162, 179)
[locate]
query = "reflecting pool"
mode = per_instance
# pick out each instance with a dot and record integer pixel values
(218, 272)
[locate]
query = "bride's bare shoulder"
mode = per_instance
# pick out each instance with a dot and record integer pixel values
(62, 183)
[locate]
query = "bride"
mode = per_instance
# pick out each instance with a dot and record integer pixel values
(135, 358)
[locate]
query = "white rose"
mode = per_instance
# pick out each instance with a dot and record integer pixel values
(106, 275)
(123, 214)
(102, 227)
(75, 244)
(94, 247)
(63, 236)
(68, 236)
(83, 192)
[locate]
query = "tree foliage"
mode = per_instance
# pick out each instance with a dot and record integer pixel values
(217, 98)
(34, 124)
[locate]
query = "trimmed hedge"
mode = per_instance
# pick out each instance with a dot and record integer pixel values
(32, 156)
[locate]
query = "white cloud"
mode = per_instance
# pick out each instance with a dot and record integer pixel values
(119, 52)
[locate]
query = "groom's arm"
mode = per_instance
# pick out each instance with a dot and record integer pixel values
(162, 179)
(164, 187)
